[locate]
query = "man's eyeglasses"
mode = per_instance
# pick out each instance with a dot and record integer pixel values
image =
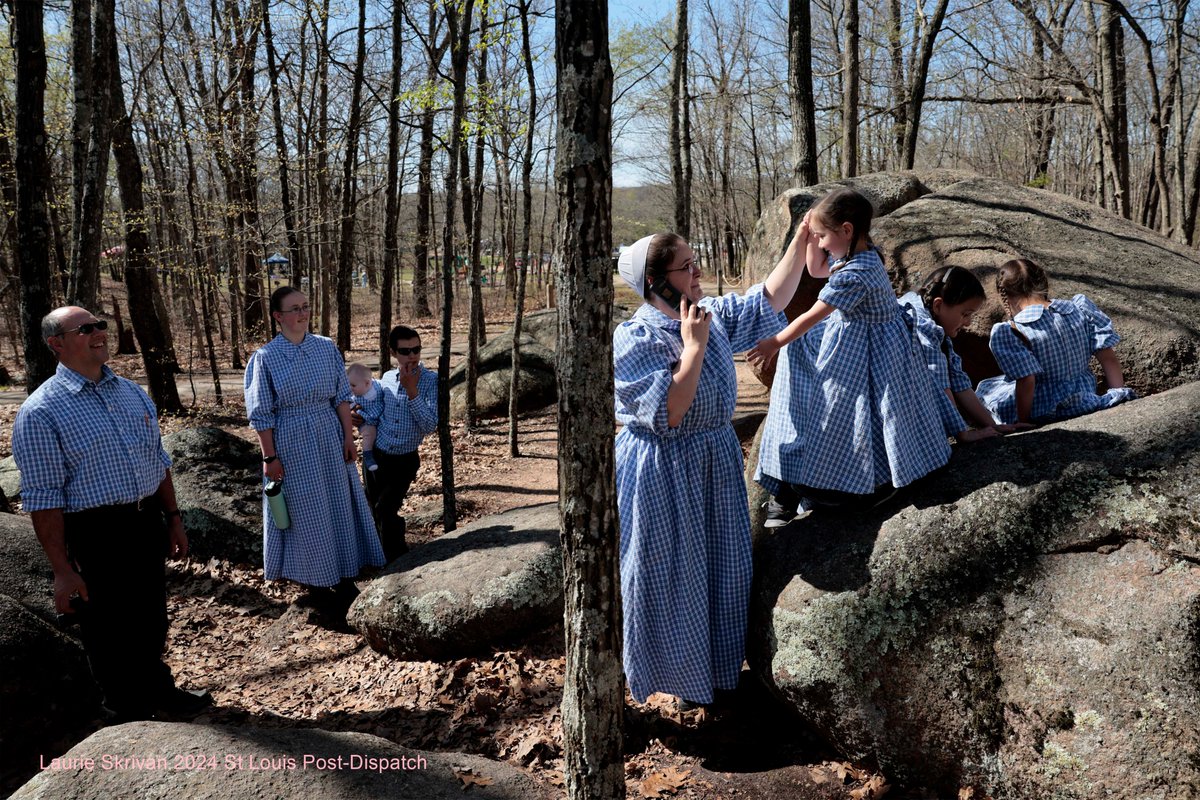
(86, 328)
(304, 309)
(407, 351)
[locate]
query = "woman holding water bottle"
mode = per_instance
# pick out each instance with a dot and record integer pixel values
(298, 400)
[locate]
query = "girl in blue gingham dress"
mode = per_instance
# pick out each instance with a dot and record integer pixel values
(685, 528)
(850, 404)
(296, 394)
(1044, 350)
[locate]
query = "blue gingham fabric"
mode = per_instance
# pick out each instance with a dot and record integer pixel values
(81, 445)
(295, 390)
(851, 402)
(942, 364)
(1062, 339)
(404, 422)
(685, 527)
(370, 405)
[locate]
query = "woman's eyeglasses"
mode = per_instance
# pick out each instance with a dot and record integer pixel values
(690, 266)
(86, 328)
(304, 309)
(407, 351)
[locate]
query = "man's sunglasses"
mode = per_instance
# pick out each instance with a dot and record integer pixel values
(86, 328)
(407, 351)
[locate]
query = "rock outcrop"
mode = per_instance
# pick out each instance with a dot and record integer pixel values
(46, 690)
(218, 480)
(924, 220)
(497, 578)
(1027, 621)
(159, 759)
(25, 573)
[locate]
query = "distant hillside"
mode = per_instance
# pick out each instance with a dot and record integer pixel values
(641, 210)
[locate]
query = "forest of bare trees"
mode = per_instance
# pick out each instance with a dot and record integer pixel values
(409, 147)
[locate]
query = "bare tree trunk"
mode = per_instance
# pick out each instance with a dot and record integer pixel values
(391, 249)
(804, 107)
(324, 198)
(477, 330)
(82, 71)
(850, 81)
(88, 230)
(346, 240)
(680, 178)
(514, 386)
(594, 683)
(459, 36)
(289, 213)
(140, 281)
(916, 87)
(33, 221)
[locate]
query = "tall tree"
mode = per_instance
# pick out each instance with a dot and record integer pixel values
(679, 134)
(851, 74)
(95, 117)
(391, 247)
(514, 393)
(477, 330)
(458, 34)
(33, 220)
(285, 191)
(594, 684)
(919, 76)
(800, 86)
(349, 174)
(140, 280)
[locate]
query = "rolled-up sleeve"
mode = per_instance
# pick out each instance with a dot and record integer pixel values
(260, 395)
(424, 405)
(39, 458)
(1013, 355)
(642, 367)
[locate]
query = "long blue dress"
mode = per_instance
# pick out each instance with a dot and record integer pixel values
(685, 525)
(851, 402)
(1058, 344)
(295, 390)
(944, 364)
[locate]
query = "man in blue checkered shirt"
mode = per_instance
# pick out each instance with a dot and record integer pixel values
(409, 413)
(97, 482)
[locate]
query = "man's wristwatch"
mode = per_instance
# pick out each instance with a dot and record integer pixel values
(175, 513)
(270, 459)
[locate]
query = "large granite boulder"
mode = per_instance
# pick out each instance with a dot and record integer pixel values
(1143, 280)
(497, 578)
(10, 479)
(159, 759)
(218, 480)
(46, 690)
(539, 343)
(1027, 621)
(25, 573)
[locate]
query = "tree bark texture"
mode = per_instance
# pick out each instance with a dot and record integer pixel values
(33, 221)
(346, 240)
(680, 122)
(391, 248)
(140, 280)
(526, 230)
(594, 684)
(804, 107)
(850, 89)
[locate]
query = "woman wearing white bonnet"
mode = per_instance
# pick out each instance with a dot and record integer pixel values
(685, 525)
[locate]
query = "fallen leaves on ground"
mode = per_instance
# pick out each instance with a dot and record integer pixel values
(664, 783)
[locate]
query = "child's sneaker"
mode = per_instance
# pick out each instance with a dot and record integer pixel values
(779, 515)
(369, 460)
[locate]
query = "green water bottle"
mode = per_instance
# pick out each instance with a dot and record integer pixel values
(274, 492)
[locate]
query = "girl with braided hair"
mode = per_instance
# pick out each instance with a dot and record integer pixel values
(1045, 349)
(938, 311)
(849, 415)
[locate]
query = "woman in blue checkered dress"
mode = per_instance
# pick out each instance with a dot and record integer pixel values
(850, 411)
(298, 400)
(1045, 350)
(685, 527)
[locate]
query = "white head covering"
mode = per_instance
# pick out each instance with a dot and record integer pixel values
(632, 265)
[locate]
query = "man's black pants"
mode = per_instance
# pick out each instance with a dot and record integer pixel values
(387, 487)
(120, 552)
